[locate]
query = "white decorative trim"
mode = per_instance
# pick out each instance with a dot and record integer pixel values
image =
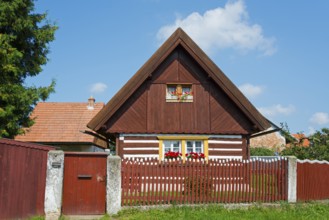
(208, 136)
(313, 161)
(225, 157)
(141, 155)
(225, 149)
(140, 148)
(211, 158)
(121, 138)
(224, 142)
(141, 141)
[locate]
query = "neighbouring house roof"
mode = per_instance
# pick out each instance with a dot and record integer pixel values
(301, 140)
(179, 39)
(60, 122)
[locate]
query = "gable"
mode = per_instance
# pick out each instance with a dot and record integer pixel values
(179, 60)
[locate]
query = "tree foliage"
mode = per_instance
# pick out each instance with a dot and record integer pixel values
(285, 132)
(24, 39)
(261, 151)
(318, 150)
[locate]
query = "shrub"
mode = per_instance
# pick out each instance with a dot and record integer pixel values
(261, 151)
(316, 152)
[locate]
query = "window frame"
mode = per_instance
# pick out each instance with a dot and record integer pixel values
(183, 144)
(194, 145)
(171, 146)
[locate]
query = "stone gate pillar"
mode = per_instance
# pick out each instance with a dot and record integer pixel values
(54, 184)
(113, 188)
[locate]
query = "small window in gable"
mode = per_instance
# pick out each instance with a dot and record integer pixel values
(179, 93)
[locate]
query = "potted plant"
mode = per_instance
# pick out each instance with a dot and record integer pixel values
(195, 155)
(172, 155)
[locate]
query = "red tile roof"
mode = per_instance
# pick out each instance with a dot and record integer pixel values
(61, 123)
(302, 140)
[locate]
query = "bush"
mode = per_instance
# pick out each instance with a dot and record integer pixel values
(317, 152)
(301, 153)
(261, 151)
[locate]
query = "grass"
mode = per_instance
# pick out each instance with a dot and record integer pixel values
(298, 211)
(284, 211)
(37, 218)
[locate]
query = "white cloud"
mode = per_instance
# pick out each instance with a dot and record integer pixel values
(277, 110)
(98, 87)
(220, 28)
(251, 91)
(320, 118)
(311, 130)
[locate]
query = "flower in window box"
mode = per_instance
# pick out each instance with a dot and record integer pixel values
(172, 155)
(185, 95)
(194, 155)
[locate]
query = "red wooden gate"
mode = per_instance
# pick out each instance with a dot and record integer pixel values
(84, 189)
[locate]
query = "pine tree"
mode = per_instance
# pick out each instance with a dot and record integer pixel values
(24, 45)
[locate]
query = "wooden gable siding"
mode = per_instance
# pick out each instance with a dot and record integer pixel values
(132, 115)
(211, 111)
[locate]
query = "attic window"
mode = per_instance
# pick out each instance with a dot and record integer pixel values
(179, 93)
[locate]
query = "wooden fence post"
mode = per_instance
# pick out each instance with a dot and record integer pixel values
(113, 188)
(292, 179)
(54, 184)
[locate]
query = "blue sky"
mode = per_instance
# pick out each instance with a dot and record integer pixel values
(275, 51)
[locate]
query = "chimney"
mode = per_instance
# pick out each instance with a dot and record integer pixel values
(91, 103)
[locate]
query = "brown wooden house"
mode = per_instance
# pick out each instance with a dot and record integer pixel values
(179, 100)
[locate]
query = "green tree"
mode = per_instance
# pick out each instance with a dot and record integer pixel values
(285, 132)
(24, 45)
(320, 145)
(318, 150)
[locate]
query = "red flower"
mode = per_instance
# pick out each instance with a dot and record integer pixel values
(194, 155)
(172, 155)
